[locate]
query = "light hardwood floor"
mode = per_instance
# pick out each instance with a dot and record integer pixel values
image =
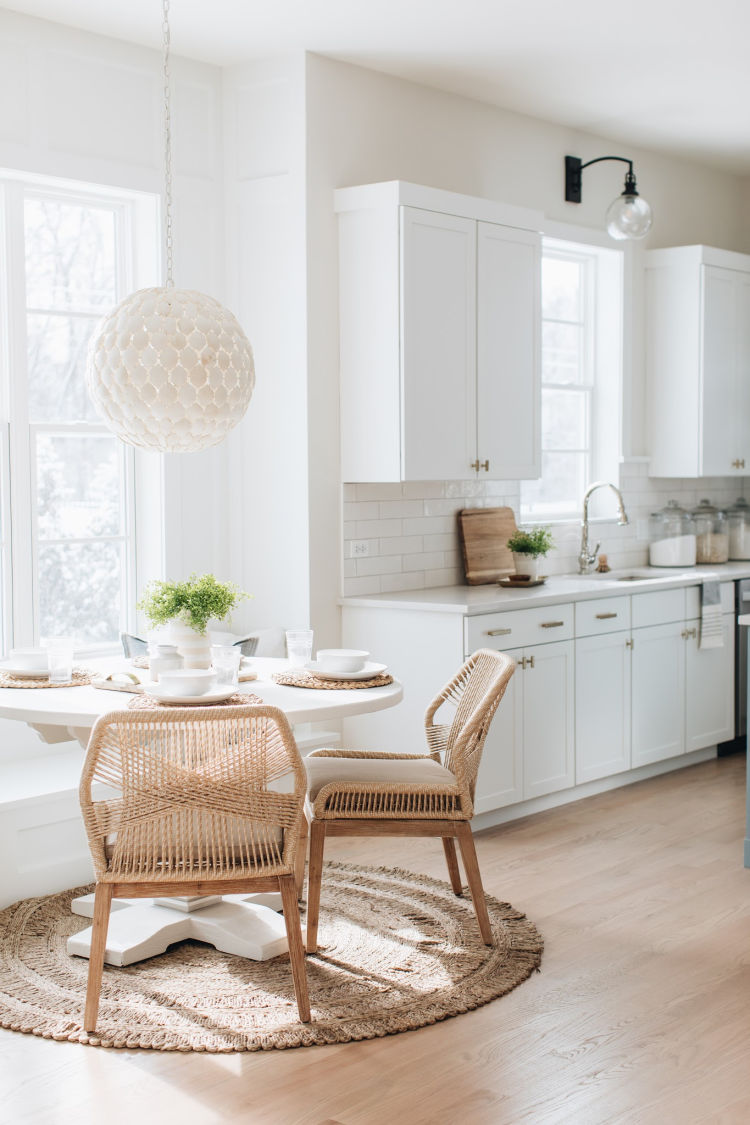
(640, 1014)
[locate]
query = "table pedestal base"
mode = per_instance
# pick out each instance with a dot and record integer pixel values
(245, 925)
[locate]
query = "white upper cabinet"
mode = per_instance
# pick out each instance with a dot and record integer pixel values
(698, 362)
(439, 335)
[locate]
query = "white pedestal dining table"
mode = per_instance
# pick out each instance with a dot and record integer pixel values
(245, 925)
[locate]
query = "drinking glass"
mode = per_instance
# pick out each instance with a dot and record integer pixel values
(225, 661)
(60, 659)
(299, 643)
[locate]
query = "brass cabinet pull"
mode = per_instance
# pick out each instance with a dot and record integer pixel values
(521, 663)
(529, 661)
(551, 624)
(525, 662)
(498, 632)
(605, 616)
(629, 643)
(739, 463)
(686, 634)
(477, 465)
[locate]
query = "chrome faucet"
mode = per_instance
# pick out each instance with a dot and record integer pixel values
(587, 557)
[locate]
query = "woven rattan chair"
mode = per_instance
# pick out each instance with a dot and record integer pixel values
(366, 793)
(195, 811)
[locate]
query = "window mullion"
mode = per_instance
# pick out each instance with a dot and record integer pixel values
(23, 631)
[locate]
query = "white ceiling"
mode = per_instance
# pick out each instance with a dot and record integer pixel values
(666, 74)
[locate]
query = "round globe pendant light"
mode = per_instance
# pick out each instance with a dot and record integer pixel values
(170, 369)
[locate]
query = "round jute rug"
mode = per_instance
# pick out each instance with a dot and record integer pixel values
(397, 951)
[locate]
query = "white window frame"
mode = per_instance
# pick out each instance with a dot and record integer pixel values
(137, 219)
(604, 315)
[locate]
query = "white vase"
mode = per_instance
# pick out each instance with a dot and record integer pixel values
(193, 647)
(528, 564)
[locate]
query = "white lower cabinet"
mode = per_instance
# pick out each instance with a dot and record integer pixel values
(658, 693)
(603, 694)
(529, 748)
(624, 686)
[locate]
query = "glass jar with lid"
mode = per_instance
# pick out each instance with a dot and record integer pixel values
(739, 530)
(711, 534)
(672, 537)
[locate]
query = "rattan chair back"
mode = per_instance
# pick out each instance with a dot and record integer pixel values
(192, 793)
(473, 696)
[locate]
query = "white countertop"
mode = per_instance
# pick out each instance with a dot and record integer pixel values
(492, 598)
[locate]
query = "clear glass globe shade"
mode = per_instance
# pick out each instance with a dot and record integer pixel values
(628, 216)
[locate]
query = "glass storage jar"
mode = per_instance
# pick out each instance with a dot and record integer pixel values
(739, 530)
(672, 536)
(711, 534)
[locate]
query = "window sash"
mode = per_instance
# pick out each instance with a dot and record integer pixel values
(19, 550)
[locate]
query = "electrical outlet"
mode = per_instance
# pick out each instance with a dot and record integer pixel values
(359, 549)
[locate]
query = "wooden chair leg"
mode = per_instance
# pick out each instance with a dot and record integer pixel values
(299, 859)
(451, 859)
(314, 876)
(474, 879)
(288, 888)
(102, 903)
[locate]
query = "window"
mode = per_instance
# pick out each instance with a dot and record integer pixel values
(69, 256)
(581, 364)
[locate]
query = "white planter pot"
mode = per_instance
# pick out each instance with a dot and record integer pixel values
(528, 564)
(194, 648)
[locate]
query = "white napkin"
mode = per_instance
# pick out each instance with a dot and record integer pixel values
(712, 631)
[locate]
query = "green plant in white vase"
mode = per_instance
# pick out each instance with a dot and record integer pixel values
(187, 607)
(528, 548)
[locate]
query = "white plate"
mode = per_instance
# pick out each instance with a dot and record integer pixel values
(215, 696)
(25, 673)
(365, 673)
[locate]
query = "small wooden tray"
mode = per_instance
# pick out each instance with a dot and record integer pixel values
(522, 584)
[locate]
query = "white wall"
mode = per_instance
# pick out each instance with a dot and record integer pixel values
(265, 225)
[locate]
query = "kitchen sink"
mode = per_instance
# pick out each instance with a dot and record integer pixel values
(642, 577)
(645, 575)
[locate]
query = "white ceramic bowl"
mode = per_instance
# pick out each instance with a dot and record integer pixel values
(342, 659)
(187, 681)
(29, 659)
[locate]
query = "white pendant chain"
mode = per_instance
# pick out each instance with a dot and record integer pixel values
(167, 149)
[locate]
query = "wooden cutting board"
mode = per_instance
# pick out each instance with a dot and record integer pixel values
(484, 542)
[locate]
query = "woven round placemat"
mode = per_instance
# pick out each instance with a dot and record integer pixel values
(239, 699)
(398, 951)
(80, 678)
(310, 680)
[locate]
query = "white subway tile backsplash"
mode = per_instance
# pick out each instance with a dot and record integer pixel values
(412, 536)
(376, 529)
(428, 561)
(397, 509)
(362, 510)
(390, 583)
(381, 564)
(403, 544)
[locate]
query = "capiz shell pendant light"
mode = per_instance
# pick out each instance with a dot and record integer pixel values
(170, 369)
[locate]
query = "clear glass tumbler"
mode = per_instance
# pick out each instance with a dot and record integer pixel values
(299, 643)
(225, 661)
(60, 659)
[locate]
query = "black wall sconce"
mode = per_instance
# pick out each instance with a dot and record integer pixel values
(628, 216)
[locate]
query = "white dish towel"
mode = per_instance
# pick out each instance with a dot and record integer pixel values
(712, 632)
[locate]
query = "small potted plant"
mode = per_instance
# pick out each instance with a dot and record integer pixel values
(188, 607)
(528, 548)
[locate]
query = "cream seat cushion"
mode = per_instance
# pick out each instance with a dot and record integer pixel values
(385, 771)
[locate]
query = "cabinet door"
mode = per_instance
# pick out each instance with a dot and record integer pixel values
(603, 690)
(720, 346)
(508, 352)
(438, 345)
(548, 727)
(742, 371)
(500, 779)
(709, 676)
(658, 707)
